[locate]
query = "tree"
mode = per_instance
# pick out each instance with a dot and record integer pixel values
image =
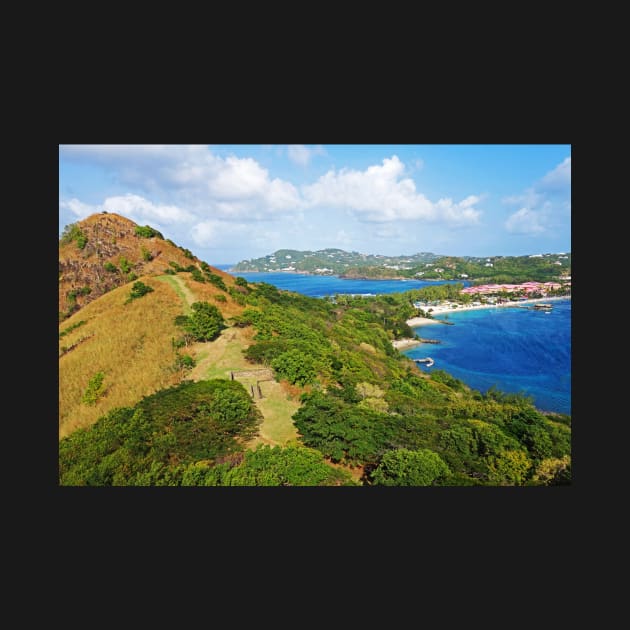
(295, 366)
(206, 322)
(403, 467)
(509, 468)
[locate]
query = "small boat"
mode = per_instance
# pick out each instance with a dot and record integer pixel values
(428, 360)
(543, 307)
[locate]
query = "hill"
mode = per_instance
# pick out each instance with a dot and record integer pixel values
(105, 251)
(189, 376)
(424, 265)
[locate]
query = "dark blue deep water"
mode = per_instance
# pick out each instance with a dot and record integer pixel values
(514, 349)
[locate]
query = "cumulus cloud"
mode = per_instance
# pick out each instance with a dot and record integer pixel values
(381, 194)
(132, 206)
(301, 154)
(545, 204)
(525, 221)
(230, 187)
(559, 179)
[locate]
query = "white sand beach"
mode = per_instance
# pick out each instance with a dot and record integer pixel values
(415, 322)
(401, 344)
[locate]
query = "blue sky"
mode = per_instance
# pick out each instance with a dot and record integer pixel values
(227, 203)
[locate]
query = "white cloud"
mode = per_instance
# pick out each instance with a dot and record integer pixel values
(213, 232)
(131, 206)
(559, 179)
(545, 205)
(525, 221)
(380, 194)
(80, 209)
(302, 155)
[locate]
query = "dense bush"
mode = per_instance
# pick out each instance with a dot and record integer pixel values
(153, 442)
(139, 289)
(204, 323)
(295, 366)
(146, 231)
(403, 467)
(110, 267)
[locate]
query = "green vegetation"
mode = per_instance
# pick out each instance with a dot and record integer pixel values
(146, 254)
(512, 269)
(146, 231)
(204, 323)
(72, 232)
(197, 275)
(266, 466)
(356, 402)
(402, 467)
(95, 389)
(295, 366)
(124, 264)
(138, 290)
(63, 333)
(216, 280)
(108, 266)
(153, 442)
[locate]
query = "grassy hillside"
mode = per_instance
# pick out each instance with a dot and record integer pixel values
(148, 398)
(105, 251)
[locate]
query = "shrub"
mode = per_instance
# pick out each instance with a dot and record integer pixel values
(197, 275)
(241, 282)
(220, 298)
(187, 252)
(146, 255)
(204, 324)
(205, 266)
(95, 389)
(185, 362)
(146, 231)
(110, 267)
(124, 264)
(295, 366)
(138, 290)
(170, 272)
(403, 467)
(216, 280)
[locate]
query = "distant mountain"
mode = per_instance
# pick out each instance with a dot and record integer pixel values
(330, 261)
(424, 265)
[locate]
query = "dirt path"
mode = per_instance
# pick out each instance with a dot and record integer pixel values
(218, 358)
(181, 289)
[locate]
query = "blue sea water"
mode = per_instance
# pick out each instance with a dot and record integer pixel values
(320, 286)
(514, 349)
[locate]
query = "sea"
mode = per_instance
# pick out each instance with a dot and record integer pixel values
(515, 350)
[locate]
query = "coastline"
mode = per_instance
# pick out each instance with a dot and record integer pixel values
(415, 322)
(407, 342)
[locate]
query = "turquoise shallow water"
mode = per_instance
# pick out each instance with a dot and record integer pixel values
(514, 349)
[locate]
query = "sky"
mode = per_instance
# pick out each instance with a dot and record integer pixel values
(228, 203)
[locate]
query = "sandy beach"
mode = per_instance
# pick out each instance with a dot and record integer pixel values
(415, 322)
(421, 321)
(401, 344)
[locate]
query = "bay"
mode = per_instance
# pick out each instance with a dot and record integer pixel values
(515, 350)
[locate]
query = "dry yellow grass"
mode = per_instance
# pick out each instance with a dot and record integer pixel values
(130, 343)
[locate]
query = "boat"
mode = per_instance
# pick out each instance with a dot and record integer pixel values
(543, 307)
(428, 360)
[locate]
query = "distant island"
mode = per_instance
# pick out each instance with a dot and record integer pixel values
(420, 266)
